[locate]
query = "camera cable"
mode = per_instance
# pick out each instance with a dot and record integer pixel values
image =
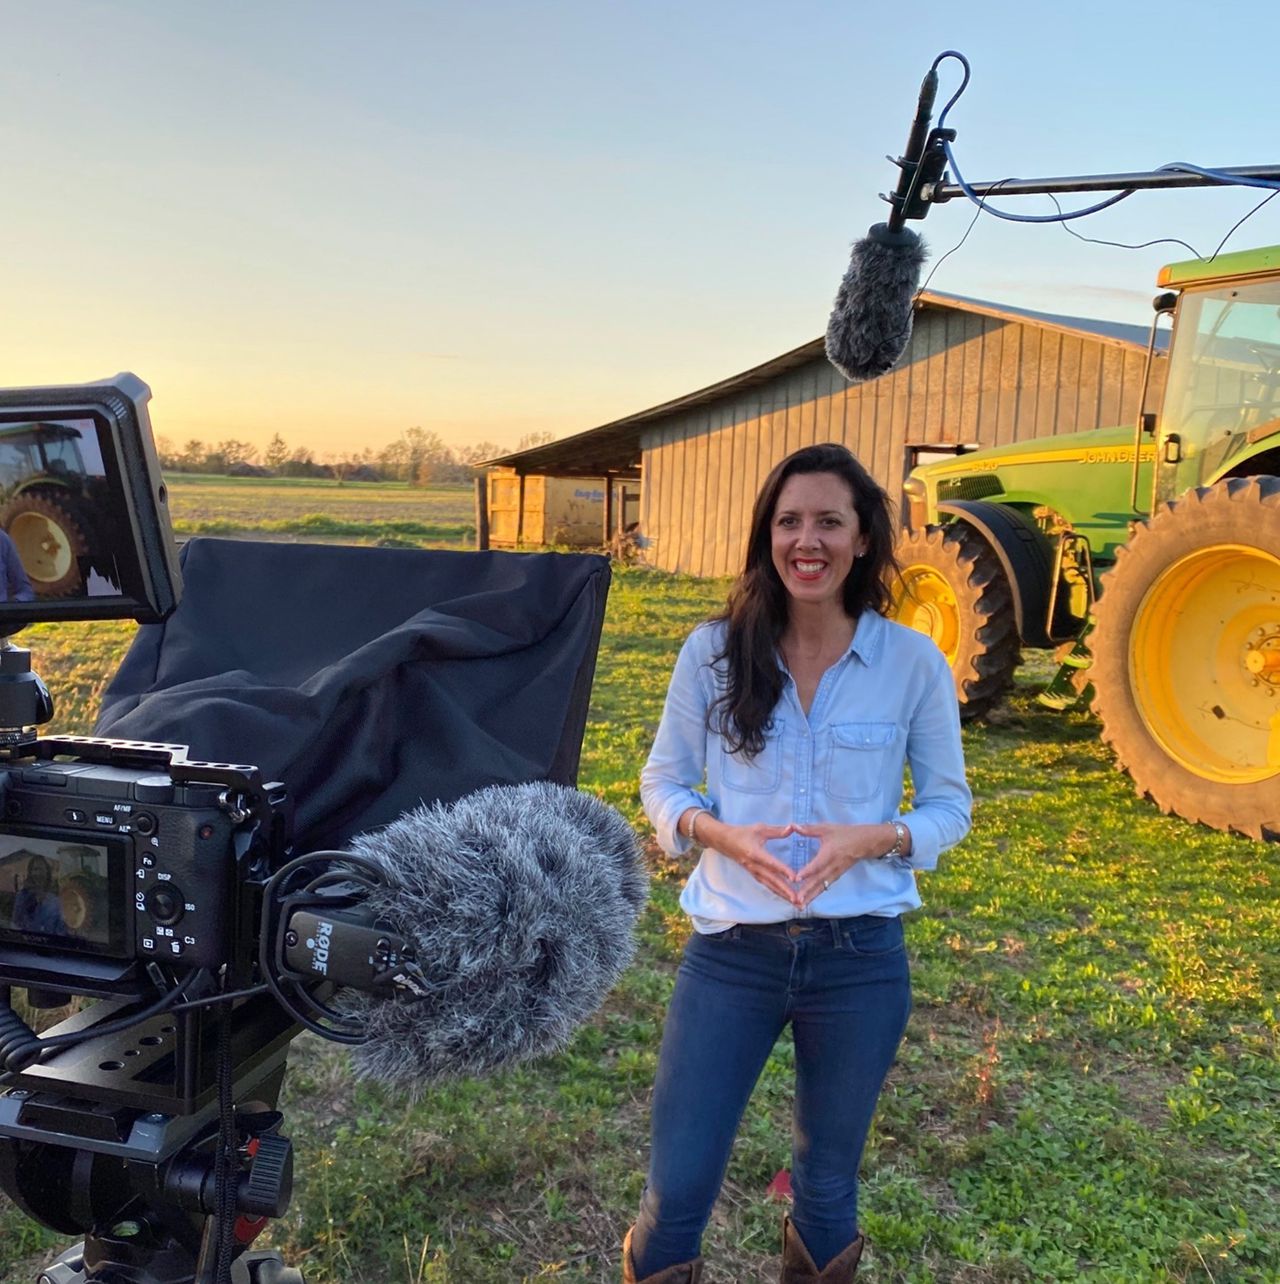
(21, 1047)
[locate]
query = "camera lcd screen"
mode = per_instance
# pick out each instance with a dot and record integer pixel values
(63, 523)
(61, 892)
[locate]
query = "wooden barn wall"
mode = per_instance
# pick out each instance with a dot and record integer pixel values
(967, 379)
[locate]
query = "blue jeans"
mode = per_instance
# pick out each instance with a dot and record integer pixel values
(844, 986)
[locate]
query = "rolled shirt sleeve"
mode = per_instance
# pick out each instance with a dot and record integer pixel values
(672, 779)
(942, 805)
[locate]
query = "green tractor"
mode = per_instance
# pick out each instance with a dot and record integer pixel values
(1149, 556)
(47, 501)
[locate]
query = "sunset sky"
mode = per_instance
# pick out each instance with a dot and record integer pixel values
(336, 221)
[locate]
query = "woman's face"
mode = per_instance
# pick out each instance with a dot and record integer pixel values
(816, 536)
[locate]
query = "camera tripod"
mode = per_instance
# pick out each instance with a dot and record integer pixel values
(141, 1184)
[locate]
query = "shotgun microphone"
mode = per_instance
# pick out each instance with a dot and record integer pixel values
(870, 324)
(461, 938)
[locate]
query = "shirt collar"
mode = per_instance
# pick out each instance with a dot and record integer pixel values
(868, 637)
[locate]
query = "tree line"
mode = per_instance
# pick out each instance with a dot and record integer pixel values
(418, 456)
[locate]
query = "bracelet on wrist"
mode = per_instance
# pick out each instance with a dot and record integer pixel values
(900, 835)
(693, 822)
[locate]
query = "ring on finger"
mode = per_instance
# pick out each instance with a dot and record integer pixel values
(826, 885)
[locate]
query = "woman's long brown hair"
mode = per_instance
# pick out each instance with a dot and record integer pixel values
(756, 610)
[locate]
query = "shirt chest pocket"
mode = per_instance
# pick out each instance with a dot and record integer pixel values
(860, 759)
(759, 775)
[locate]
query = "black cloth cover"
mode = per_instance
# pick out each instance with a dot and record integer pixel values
(368, 679)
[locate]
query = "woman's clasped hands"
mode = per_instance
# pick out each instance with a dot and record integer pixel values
(840, 847)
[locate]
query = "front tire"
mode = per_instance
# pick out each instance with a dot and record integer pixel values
(954, 589)
(1186, 668)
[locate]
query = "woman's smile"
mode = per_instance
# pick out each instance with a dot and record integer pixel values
(816, 536)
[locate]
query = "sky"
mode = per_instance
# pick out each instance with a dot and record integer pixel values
(335, 221)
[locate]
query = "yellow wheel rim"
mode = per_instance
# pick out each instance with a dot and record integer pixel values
(925, 601)
(75, 908)
(1204, 663)
(44, 549)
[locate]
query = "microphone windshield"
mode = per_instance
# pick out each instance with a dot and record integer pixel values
(520, 903)
(870, 325)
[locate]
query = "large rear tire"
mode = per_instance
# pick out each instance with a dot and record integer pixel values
(1186, 668)
(78, 906)
(954, 589)
(51, 541)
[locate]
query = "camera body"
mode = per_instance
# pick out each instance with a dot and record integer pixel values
(114, 863)
(116, 854)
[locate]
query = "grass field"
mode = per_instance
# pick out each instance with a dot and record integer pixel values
(355, 512)
(1087, 1090)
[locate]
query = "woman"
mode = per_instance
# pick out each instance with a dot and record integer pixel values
(36, 907)
(787, 724)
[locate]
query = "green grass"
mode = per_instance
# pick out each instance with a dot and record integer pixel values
(355, 512)
(221, 481)
(1087, 1090)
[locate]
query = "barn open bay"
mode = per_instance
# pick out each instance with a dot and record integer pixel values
(1086, 1092)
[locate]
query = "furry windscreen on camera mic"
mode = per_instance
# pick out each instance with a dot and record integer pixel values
(870, 325)
(520, 902)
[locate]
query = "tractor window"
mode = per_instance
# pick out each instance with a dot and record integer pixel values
(19, 459)
(61, 454)
(1224, 367)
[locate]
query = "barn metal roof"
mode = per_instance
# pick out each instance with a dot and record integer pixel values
(615, 447)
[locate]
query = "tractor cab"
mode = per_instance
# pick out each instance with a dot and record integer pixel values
(1222, 395)
(34, 450)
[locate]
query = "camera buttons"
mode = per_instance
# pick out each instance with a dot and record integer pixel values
(75, 815)
(144, 823)
(166, 904)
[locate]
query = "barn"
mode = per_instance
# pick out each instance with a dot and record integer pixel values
(975, 374)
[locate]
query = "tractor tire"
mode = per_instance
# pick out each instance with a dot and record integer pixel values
(52, 542)
(1186, 667)
(79, 907)
(954, 589)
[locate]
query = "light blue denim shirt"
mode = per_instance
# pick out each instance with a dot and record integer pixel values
(888, 702)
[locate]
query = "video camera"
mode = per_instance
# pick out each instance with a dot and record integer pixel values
(166, 891)
(128, 875)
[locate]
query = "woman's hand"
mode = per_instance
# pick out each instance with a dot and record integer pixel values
(745, 844)
(840, 847)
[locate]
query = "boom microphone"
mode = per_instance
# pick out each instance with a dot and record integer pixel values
(870, 325)
(497, 926)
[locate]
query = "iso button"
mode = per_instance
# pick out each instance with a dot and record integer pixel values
(165, 904)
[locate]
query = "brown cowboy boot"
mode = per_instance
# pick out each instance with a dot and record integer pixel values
(798, 1267)
(685, 1273)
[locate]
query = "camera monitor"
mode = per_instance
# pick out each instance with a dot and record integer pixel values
(84, 521)
(62, 891)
